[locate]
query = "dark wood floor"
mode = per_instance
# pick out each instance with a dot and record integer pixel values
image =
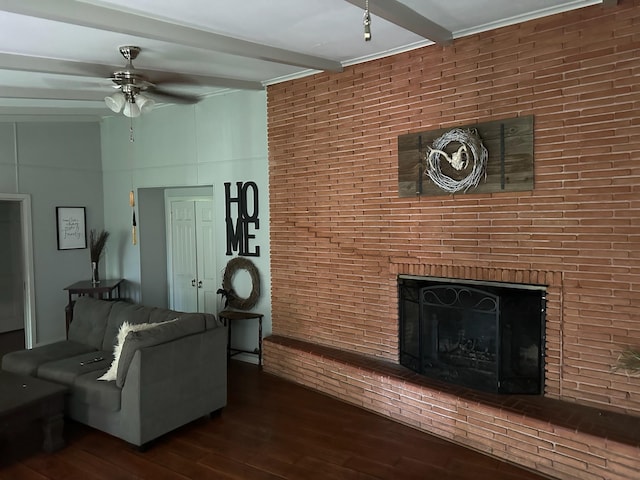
(271, 429)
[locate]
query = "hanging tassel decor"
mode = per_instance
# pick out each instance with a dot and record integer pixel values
(132, 204)
(134, 238)
(132, 198)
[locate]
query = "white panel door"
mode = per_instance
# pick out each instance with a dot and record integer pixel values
(193, 256)
(183, 257)
(206, 260)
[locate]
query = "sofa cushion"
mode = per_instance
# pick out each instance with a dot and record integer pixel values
(187, 324)
(103, 395)
(26, 362)
(120, 313)
(159, 315)
(66, 370)
(89, 321)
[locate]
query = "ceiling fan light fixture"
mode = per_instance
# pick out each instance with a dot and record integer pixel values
(115, 102)
(131, 109)
(144, 103)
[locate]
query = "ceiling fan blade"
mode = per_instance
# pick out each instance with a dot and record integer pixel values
(169, 78)
(173, 97)
(77, 82)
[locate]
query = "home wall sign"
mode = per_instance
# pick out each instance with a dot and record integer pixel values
(243, 219)
(487, 157)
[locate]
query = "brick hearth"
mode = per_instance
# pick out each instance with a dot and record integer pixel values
(548, 436)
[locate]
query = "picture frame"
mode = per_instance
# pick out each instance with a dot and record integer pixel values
(71, 227)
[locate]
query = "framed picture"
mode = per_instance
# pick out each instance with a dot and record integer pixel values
(71, 226)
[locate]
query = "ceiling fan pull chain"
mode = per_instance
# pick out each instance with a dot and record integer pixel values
(367, 21)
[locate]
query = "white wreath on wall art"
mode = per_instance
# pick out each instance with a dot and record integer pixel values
(471, 149)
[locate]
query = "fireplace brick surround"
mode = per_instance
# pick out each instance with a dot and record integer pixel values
(558, 438)
(340, 235)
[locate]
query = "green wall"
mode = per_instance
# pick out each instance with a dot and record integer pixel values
(221, 139)
(58, 164)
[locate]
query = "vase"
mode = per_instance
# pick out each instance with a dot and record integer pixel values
(95, 277)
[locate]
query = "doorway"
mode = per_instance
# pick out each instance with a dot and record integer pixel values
(17, 297)
(191, 249)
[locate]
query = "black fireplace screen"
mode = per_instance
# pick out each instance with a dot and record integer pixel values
(489, 337)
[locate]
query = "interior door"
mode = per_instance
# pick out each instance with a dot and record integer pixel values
(183, 257)
(205, 256)
(193, 266)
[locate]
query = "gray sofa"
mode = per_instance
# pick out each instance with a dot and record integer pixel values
(167, 375)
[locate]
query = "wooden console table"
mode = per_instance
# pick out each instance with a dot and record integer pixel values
(228, 317)
(104, 289)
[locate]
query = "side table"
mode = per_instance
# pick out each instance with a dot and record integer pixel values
(228, 317)
(97, 290)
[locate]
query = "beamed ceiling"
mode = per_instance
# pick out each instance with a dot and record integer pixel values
(56, 57)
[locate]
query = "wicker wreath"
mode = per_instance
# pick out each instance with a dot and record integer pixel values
(235, 264)
(471, 150)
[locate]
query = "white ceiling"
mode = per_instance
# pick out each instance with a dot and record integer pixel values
(56, 56)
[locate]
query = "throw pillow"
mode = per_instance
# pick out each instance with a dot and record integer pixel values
(123, 331)
(163, 333)
(89, 321)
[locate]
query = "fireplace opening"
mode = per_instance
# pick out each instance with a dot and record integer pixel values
(484, 335)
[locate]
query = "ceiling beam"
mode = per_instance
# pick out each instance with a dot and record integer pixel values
(81, 69)
(52, 114)
(107, 19)
(50, 94)
(25, 63)
(402, 16)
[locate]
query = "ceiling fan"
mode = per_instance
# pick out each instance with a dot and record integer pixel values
(135, 90)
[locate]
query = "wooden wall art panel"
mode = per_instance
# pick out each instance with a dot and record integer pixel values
(508, 166)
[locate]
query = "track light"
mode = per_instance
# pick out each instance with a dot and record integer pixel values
(367, 22)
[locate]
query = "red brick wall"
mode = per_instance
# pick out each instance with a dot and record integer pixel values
(340, 234)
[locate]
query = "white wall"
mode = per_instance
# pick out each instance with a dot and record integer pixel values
(221, 139)
(57, 164)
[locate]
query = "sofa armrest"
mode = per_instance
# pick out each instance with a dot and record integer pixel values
(171, 384)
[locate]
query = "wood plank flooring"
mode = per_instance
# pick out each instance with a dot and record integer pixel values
(271, 429)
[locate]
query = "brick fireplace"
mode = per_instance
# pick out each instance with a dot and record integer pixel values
(341, 236)
(487, 336)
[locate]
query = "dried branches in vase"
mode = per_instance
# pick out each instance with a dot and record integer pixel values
(97, 241)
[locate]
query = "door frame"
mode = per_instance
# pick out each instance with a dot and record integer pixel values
(179, 194)
(29, 297)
